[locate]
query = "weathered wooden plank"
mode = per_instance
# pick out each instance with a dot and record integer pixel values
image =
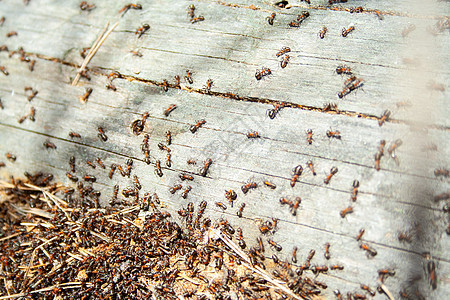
(378, 68)
(397, 198)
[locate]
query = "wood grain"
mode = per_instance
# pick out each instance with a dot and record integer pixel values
(228, 47)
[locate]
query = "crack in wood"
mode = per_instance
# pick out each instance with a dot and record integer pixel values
(331, 8)
(231, 96)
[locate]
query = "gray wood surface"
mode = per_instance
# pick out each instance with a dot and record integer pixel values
(228, 47)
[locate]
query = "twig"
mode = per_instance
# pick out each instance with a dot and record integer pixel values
(55, 199)
(101, 236)
(33, 254)
(67, 285)
(386, 291)
(10, 236)
(256, 269)
(94, 50)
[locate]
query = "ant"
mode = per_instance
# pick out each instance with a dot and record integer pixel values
(294, 255)
(169, 160)
(72, 163)
(128, 6)
(195, 127)
(165, 85)
(286, 201)
(188, 77)
(11, 33)
(318, 269)
(136, 53)
(381, 148)
(112, 170)
(334, 134)
(295, 206)
(283, 51)
(275, 245)
(253, 135)
(204, 170)
(355, 190)
(336, 1)
(177, 81)
(197, 19)
(333, 171)
(269, 184)
(33, 92)
(90, 164)
(85, 6)
(327, 251)
(49, 145)
(32, 114)
(323, 32)
(264, 72)
(89, 178)
(158, 170)
(99, 161)
(175, 188)
(311, 167)
(137, 183)
(73, 178)
(191, 11)
(11, 157)
(377, 160)
(346, 211)
(245, 188)
(285, 61)
(431, 269)
(344, 70)
(240, 239)
(351, 86)
(4, 71)
(169, 109)
(207, 87)
(101, 134)
(441, 172)
(231, 196)
(86, 95)
(271, 18)
(32, 64)
(274, 111)
(115, 193)
(186, 192)
(357, 10)
(140, 31)
(384, 117)
(346, 31)
(298, 170)
(309, 137)
(368, 289)
(241, 209)
(221, 205)
(370, 251)
(299, 20)
(186, 177)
